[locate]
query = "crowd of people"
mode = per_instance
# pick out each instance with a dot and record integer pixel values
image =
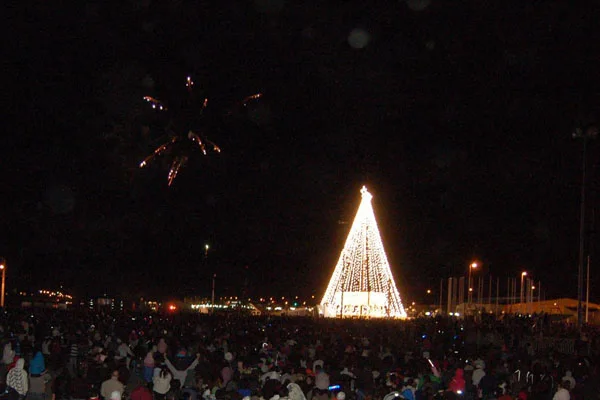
(55, 355)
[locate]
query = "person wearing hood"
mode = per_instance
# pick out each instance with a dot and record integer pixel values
(563, 391)
(569, 377)
(37, 364)
(141, 392)
(478, 373)
(17, 378)
(457, 384)
(295, 392)
(38, 378)
(8, 355)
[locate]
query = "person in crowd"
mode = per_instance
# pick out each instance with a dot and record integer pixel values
(141, 392)
(111, 385)
(161, 383)
(38, 384)
(17, 379)
(180, 374)
(124, 352)
(569, 377)
(479, 372)
(457, 384)
(73, 357)
(563, 391)
(149, 365)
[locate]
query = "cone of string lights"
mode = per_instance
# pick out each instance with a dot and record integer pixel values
(362, 285)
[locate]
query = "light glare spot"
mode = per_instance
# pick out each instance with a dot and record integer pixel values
(358, 38)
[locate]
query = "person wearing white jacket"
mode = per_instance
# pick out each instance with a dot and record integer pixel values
(180, 374)
(17, 378)
(563, 391)
(569, 377)
(478, 373)
(8, 355)
(161, 383)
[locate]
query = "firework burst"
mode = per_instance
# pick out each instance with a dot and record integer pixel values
(185, 130)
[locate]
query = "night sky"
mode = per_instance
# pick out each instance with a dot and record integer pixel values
(457, 115)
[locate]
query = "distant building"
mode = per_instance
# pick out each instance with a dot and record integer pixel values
(44, 298)
(103, 303)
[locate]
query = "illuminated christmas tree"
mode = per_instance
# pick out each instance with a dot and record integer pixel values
(362, 284)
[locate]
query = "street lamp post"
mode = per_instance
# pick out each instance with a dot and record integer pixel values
(470, 287)
(3, 268)
(523, 275)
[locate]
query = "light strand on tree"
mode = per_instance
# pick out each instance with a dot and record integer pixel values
(362, 284)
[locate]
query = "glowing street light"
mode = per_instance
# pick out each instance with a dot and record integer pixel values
(472, 266)
(428, 291)
(206, 247)
(523, 275)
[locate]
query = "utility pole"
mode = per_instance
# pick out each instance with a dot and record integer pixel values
(213, 292)
(585, 134)
(441, 294)
(587, 291)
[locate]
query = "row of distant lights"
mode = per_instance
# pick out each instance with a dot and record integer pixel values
(199, 306)
(55, 294)
(262, 299)
(279, 308)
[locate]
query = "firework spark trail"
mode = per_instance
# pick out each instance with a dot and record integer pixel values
(250, 98)
(156, 104)
(216, 148)
(194, 137)
(178, 162)
(189, 83)
(158, 151)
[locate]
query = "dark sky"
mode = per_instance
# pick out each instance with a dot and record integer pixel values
(457, 116)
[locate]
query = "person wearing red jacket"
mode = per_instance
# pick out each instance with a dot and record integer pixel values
(141, 393)
(457, 384)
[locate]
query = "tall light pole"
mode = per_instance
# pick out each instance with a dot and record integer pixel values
(523, 275)
(3, 268)
(587, 291)
(470, 286)
(589, 132)
(212, 299)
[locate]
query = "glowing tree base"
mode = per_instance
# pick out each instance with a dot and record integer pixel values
(362, 285)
